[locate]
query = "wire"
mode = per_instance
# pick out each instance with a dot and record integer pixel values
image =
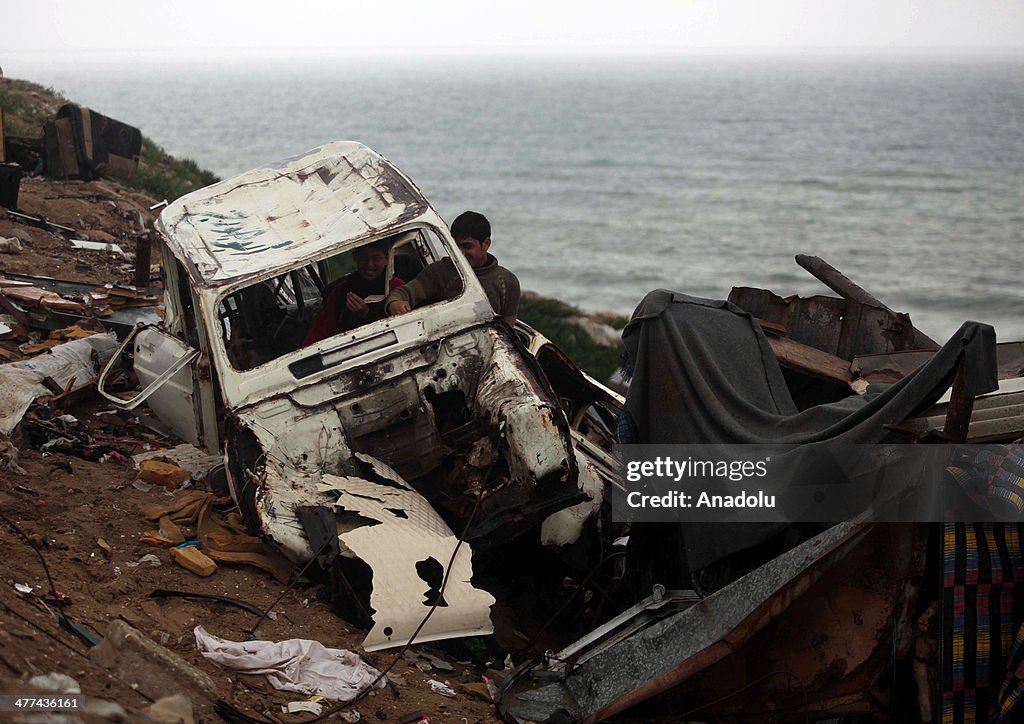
(437, 599)
(233, 711)
(69, 647)
(558, 612)
(295, 579)
(59, 615)
(19, 531)
(33, 624)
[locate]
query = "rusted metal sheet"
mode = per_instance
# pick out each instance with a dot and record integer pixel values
(834, 642)
(783, 598)
(844, 287)
(840, 327)
(271, 217)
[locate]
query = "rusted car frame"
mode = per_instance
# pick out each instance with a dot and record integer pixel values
(407, 427)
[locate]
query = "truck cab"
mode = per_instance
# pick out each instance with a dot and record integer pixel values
(405, 428)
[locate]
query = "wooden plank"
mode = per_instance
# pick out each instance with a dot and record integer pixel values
(66, 155)
(772, 327)
(32, 296)
(811, 361)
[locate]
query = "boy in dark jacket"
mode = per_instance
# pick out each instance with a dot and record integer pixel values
(440, 280)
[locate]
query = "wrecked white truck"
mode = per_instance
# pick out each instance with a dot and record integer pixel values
(368, 448)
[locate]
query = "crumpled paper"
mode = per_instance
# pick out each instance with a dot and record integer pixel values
(299, 665)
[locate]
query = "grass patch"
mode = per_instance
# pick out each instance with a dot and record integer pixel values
(163, 176)
(11, 102)
(553, 319)
(27, 106)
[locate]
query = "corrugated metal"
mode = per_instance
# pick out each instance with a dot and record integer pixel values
(997, 416)
(272, 217)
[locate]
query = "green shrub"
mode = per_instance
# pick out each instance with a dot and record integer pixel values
(163, 176)
(27, 106)
(553, 319)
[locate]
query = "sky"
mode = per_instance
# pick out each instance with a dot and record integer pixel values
(71, 29)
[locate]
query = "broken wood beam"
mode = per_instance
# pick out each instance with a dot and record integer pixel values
(837, 281)
(812, 361)
(142, 261)
(772, 327)
(961, 405)
(844, 287)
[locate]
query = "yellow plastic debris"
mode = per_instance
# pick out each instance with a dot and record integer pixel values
(194, 560)
(167, 475)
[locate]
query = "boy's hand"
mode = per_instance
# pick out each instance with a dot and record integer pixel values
(398, 306)
(356, 305)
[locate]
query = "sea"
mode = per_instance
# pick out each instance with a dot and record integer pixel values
(607, 177)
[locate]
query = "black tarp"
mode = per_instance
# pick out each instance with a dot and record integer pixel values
(703, 372)
(81, 143)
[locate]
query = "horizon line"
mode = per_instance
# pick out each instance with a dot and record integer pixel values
(539, 51)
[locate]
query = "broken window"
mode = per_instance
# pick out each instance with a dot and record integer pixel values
(266, 320)
(334, 295)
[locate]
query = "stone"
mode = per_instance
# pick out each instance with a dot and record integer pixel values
(154, 670)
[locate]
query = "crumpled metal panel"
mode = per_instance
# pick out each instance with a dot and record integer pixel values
(534, 438)
(654, 660)
(566, 526)
(271, 217)
(837, 326)
(408, 533)
(509, 398)
(834, 642)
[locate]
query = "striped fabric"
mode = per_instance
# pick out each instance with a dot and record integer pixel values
(1008, 709)
(994, 480)
(982, 645)
(1003, 469)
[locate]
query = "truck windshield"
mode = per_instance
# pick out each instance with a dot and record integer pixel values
(333, 296)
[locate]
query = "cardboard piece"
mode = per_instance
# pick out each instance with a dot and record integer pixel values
(223, 538)
(163, 474)
(97, 246)
(184, 456)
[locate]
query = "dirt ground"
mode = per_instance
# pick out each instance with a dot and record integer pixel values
(66, 504)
